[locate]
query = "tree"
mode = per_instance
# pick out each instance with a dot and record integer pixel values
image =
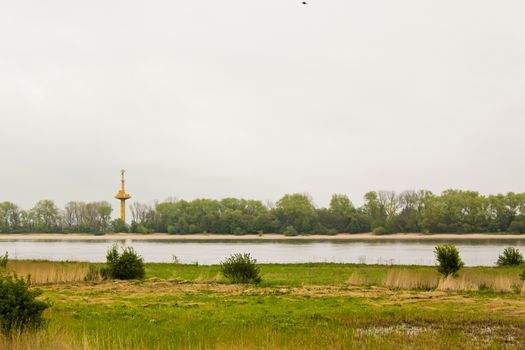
(449, 261)
(374, 210)
(104, 210)
(46, 216)
(517, 225)
(119, 226)
(9, 217)
(359, 222)
(296, 210)
(142, 213)
(411, 203)
(340, 210)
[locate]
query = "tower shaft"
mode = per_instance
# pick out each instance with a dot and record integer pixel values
(123, 210)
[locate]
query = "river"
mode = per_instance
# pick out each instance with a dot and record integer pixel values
(476, 252)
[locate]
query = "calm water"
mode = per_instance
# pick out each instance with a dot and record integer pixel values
(473, 252)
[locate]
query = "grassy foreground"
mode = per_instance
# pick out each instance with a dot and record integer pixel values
(298, 306)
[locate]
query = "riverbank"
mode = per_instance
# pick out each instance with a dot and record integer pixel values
(307, 306)
(269, 236)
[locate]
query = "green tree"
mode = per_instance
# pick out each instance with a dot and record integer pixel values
(449, 261)
(341, 210)
(374, 209)
(46, 216)
(119, 226)
(298, 211)
(9, 217)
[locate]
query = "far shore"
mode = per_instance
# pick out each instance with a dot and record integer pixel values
(256, 237)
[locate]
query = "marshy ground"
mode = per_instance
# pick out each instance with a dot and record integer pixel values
(299, 306)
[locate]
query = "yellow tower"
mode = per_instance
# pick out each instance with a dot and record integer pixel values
(122, 196)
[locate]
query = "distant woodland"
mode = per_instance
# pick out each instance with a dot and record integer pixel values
(383, 212)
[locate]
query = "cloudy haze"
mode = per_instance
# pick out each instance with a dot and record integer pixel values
(255, 99)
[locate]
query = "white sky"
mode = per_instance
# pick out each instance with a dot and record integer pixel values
(255, 99)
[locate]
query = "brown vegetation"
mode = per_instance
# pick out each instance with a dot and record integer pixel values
(44, 272)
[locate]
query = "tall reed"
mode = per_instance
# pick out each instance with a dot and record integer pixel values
(469, 279)
(472, 280)
(411, 279)
(44, 272)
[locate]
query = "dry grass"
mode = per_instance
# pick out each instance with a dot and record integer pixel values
(500, 281)
(44, 272)
(472, 280)
(411, 279)
(358, 278)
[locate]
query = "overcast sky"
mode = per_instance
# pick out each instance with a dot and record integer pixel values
(256, 99)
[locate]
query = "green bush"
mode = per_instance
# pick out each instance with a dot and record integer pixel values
(241, 268)
(19, 308)
(126, 265)
(448, 259)
(510, 257)
(290, 231)
(119, 226)
(135, 227)
(517, 226)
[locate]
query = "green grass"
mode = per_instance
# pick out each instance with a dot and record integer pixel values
(298, 306)
(305, 274)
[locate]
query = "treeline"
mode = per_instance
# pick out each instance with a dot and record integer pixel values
(454, 211)
(46, 217)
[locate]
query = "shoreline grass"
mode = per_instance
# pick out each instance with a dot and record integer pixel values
(498, 279)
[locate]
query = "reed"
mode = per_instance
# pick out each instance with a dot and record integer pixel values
(358, 278)
(468, 279)
(46, 272)
(411, 279)
(473, 280)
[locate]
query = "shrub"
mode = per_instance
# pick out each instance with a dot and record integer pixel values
(448, 259)
(3, 260)
(290, 231)
(522, 276)
(126, 265)
(517, 226)
(241, 268)
(510, 257)
(119, 226)
(139, 228)
(143, 229)
(19, 308)
(379, 231)
(331, 232)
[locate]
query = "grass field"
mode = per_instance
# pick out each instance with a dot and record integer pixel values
(299, 306)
